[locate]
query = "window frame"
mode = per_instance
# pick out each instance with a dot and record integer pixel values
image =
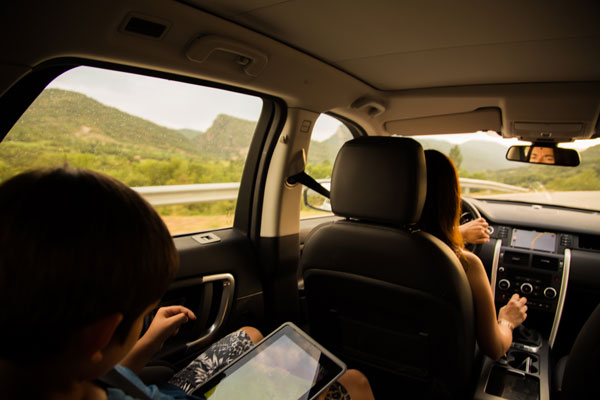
(355, 131)
(19, 97)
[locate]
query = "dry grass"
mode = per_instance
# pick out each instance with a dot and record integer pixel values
(186, 224)
(179, 225)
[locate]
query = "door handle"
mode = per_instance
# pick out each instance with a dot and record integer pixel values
(228, 290)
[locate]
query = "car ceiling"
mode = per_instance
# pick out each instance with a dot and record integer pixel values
(402, 48)
(393, 67)
(394, 45)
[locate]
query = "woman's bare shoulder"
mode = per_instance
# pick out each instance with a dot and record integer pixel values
(470, 261)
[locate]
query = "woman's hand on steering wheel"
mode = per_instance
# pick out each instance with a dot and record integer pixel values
(475, 231)
(472, 227)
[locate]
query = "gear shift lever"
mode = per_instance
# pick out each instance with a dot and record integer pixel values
(524, 335)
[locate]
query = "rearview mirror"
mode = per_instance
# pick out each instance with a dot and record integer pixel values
(543, 153)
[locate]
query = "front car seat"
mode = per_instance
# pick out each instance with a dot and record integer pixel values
(387, 299)
(578, 378)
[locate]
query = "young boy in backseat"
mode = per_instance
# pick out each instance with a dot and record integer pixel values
(83, 259)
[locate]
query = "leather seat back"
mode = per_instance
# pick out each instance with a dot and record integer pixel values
(390, 300)
(580, 379)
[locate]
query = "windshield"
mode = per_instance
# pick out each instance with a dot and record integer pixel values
(485, 173)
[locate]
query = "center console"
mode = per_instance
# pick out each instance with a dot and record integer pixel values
(534, 265)
(522, 374)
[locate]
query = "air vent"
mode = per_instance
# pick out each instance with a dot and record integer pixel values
(589, 242)
(145, 26)
(516, 258)
(545, 262)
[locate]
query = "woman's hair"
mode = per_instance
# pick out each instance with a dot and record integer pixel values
(441, 213)
(75, 246)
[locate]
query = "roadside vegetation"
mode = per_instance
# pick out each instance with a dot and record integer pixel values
(69, 128)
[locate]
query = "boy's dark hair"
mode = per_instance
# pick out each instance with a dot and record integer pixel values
(75, 246)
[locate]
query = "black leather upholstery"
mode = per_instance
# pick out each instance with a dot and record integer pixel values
(581, 372)
(379, 179)
(390, 301)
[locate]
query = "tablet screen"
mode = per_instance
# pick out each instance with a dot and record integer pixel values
(286, 365)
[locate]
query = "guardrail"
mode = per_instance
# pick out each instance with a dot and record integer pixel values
(466, 184)
(204, 192)
(186, 194)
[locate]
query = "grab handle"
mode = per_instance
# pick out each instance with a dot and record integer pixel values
(252, 60)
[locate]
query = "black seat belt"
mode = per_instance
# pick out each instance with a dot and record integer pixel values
(309, 182)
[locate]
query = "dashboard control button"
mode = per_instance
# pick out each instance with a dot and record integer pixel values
(550, 293)
(526, 288)
(501, 269)
(504, 284)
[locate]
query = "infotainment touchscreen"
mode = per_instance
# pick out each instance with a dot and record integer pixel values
(533, 240)
(286, 365)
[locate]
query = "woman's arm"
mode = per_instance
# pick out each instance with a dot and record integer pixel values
(493, 335)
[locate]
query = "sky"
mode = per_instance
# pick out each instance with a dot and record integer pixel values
(168, 103)
(180, 105)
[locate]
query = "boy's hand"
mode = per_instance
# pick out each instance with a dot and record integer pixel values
(166, 323)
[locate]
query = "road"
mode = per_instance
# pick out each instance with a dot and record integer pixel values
(585, 200)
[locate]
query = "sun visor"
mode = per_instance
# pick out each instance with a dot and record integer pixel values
(483, 119)
(549, 131)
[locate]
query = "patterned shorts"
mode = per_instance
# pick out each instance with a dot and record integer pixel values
(219, 355)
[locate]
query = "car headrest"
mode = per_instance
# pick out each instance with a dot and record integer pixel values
(380, 179)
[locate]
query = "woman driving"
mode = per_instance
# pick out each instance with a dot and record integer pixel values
(440, 218)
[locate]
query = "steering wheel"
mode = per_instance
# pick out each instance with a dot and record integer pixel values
(469, 213)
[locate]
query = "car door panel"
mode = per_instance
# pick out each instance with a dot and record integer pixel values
(219, 282)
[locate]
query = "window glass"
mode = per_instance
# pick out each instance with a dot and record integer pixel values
(485, 173)
(182, 146)
(328, 136)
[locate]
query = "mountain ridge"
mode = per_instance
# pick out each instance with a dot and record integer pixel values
(63, 126)
(64, 117)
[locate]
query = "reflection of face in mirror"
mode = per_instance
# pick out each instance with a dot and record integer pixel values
(542, 155)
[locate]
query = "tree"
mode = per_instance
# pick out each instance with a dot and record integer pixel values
(456, 156)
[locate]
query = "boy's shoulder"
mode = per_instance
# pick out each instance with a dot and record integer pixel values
(122, 384)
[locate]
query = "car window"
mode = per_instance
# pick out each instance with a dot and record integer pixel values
(485, 173)
(182, 146)
(329, 134)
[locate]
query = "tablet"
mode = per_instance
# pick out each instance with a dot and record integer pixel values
(286, 365)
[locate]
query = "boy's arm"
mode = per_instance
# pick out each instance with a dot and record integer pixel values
(165, 324)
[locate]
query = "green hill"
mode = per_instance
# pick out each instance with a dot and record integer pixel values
(190, 133)
(64, 127)
(62, 117)
(327, 150)
(590, 155)
(553, 178)
(228, 138)
(478, 155)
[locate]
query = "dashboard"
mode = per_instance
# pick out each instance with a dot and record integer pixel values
(551, 255)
